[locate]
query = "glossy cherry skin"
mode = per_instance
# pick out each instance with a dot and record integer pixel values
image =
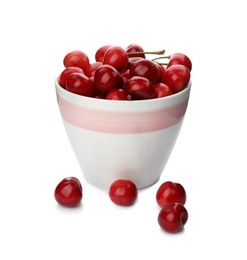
(76, 58)
(91, 68)
(161, 70)
(65, 74)
(125, 75)
(132, 60)
(80, 84)
(173, 217)
(117, 57)
(180, 58)
(162, 90)
(69, 192)
(123, 192)
(135, 48)
(139, 88)
(106, 78)
(101, 52)
(145, 68)
(176, 77)
(170, 192)
(117, 94)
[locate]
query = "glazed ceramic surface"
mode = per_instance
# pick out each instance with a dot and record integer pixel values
(122, 139)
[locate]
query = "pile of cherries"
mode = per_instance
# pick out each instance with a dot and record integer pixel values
(125, 74)
(170, 196)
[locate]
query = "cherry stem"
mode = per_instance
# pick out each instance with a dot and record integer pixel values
(163, 57)
(161, 63)
(162, 52)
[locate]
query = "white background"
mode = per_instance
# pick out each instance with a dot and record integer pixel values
(209, 158)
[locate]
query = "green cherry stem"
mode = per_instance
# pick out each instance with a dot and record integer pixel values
(162, 52)
(163, 57)
(162, 63)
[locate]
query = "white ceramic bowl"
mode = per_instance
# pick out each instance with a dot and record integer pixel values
(122, 139)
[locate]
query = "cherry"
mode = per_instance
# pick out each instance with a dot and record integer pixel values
(76, 59)
(117, 57)
(161, 70)
(132, 60)
(139, 88)
(180, 58)
(135, 48)
(101, 52)
(162, 90)
(106, 78)
(80, 84)
(170, 192)
(123, 192)
(65, 74)
(147, 69)
(91, 68)
(117, 94)
(176, 77)
(68, 192)
(173, 217)
(125, 75)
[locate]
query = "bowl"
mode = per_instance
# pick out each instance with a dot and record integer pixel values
(122, 139)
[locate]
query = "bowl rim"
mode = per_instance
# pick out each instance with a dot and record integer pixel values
(122, 103)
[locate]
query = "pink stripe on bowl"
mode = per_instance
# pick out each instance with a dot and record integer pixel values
(121, 122)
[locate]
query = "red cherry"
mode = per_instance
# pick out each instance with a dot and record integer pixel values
(99, 97)
(132, 60)
(117, 57)
(161, 70)
(117, 94)
(80, 84)
(135, 48)
(145, 68)
(68, 192)
(162, 90)
(176, 77)
(107, 78)
(180, 58)
(65, 74)
(91, 68)
(170, 192)
(123, 192)
(101, 52)
(125, 75)
(173, 217)
(76, 59)
(139, 88)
